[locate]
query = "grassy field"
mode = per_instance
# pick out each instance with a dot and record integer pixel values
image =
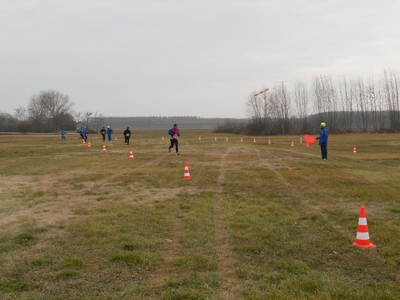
(255, 221)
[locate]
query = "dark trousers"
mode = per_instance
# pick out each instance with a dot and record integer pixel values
(324, 151)
(127, 139)
(174, 142)
(104, 137)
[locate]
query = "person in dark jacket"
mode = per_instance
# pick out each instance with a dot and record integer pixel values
(174, 135)
(127, 135)
(103, 132)
(109, 133)
(323, 141)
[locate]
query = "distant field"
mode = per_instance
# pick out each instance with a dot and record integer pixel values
(255, 221)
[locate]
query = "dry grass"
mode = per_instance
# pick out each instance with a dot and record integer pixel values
(256, 221)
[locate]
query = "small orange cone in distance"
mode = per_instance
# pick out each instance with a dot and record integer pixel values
(215, 139)
(269, 142)
(162, 138)
(131, 157)
(116, 138)
(186, 174)
(354, 150)
(199, 138)
(88, 145)
(104, 148)
(292, 144)
(362, 239)
(226, 139)
(83, 141)
(241, 139)
(254, 140)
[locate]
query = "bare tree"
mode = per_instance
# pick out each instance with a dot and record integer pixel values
(48, 109)
(300, 95)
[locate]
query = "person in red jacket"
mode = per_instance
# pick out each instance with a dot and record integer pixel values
(174, 134)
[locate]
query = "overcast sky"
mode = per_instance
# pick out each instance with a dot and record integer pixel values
(183, 57)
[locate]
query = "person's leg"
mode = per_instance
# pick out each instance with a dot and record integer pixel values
(176, 146)
(324, 152)
(127, 140)
(171, 145)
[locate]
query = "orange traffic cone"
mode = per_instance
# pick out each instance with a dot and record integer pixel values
(186, 174)
(354, 150)
(254, 140)
(362, 239)
(104, 148)
(215, 139)
(162, 138)
(269, 142)
(292, 144)
(131, 157)
(241, 139)
(226, 139)
(116, 138)
(88, 145)
(199, 138)
(83, 141)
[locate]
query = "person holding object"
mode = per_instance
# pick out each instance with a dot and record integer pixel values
(323, 141)
(174, 135)
(127, 135)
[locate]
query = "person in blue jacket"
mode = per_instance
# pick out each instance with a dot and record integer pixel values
(109, 133)
(323, 141)
(63, 137)
(174, 136)
(85, 134)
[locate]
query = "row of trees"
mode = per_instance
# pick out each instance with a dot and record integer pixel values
(346, 105)
(49, 111)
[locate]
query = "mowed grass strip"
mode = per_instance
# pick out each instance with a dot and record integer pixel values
(77, 223)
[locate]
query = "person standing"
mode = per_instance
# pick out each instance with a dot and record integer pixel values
(174, 135)
(109, 133)
(323, 141)
(63, 137)
(127, 135)
(103, 132)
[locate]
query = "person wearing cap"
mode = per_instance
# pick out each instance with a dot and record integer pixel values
(109, 133)
(323, 141)
(103, 132)
(174, 135)
(127, 135)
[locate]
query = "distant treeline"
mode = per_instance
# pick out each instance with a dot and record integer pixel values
(156, 123)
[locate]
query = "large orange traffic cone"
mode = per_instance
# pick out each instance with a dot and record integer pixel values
(104, 148)
(131, 157)
(362, 239)
(354, 150)
(88, 145)
(186, 174)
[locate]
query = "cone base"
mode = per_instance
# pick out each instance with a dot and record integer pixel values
(370, 246)
(186, 178)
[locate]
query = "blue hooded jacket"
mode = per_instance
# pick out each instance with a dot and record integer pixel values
(323, 137)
